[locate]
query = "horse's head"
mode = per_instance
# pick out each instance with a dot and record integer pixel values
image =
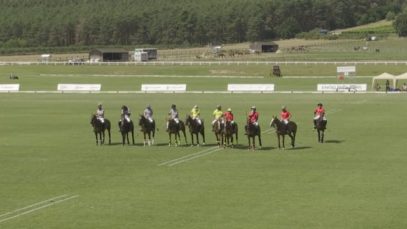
(141, 120)
(93, 119)
(274, 121)
(188, 120)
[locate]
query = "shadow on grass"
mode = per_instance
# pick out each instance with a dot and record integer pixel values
(300, 148)
(334, 141)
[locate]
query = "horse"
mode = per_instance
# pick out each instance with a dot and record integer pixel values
(175, 128)
(230, 130)
(99, 129)
(126, 127)
(148, 129)
(320, 126)
(218, 129)
(281, 130)
(252, 131)
(195, 129)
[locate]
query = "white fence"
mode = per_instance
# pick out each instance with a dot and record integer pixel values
(163, 87)
(251, 87)
(342, 87)
(79, 87)
(9, 87)
(211, 63)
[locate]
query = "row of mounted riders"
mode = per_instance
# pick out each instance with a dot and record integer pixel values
(226, 131)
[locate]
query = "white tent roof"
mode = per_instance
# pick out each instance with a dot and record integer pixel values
(384, 76)
(402, 76)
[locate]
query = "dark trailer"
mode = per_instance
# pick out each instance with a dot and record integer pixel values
(264, 47)
(109, 55)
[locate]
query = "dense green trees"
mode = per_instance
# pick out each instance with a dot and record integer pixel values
(61, 23)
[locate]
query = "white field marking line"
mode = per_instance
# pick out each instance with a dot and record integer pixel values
(156, 76)
(199, 154)
(192, 158)
(38, 208)
(33, 205)
(320, 77)
(186, 156)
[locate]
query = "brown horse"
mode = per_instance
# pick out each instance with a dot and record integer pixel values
(230, 130)
(174, 129)
(252, 131)
(218, 129)
(195, 129)
(148, 129)
(320, 125)
(282, 129)
(99, 129)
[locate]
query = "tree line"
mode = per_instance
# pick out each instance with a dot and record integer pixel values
(79, 23)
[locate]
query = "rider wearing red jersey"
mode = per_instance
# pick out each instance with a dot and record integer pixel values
(285, 115)
(318, 113)
(253, 116)
(228, 115)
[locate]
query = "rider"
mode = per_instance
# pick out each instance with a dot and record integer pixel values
(100, 113)
(173, 115)
(148, 113)
(318, 113)
(229, 116)
(285, 115)
(125, 113)
(218, 115)
(253, 116)
(195, 112)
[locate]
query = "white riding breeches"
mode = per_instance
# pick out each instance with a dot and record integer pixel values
(318, 116)
(102, 120)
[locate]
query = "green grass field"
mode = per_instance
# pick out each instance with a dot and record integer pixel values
(355, 180)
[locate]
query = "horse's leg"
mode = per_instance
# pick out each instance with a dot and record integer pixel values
(248, 138)
(278, 139)
(144, 141)
(203, 136)
(260, 140)
(177, 139)
(123, 138)
(108, 132)
(237, 138)
(319, 135)
(169, 136)
(283, 140)
(127, 136)
(322, 137)
(96, 135)
(197, 139)
(132, 136)
(292, 139)
(192, 139)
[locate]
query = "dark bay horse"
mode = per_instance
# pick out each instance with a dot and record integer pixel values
(148, 129)
(195, 129)
(218, 129)
(252, 131)
(174, 129)
(281, 130)
(99, 129)
(321, 126)
(231, 129)
(126, 127)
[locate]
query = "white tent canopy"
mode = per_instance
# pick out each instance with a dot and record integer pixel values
(385, 76)
(401, 77)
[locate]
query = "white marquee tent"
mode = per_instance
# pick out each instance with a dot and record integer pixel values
(385, 76)
(401, 77)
